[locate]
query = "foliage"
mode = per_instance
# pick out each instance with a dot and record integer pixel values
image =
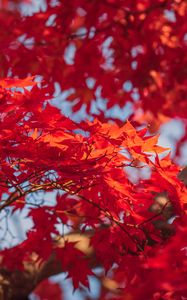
(127, 231)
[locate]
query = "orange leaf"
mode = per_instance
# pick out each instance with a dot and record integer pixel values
(14, 82)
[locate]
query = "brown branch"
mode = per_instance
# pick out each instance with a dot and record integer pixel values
(19, 284)
(155, 216)
(114, 220)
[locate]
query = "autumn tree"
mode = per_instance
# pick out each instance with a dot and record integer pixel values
(85, 86)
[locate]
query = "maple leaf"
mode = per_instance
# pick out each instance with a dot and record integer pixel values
(48, 290)
(76, 264)
(105, 179)
(21, 83)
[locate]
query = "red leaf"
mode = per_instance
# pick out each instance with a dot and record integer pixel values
(48, 290)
